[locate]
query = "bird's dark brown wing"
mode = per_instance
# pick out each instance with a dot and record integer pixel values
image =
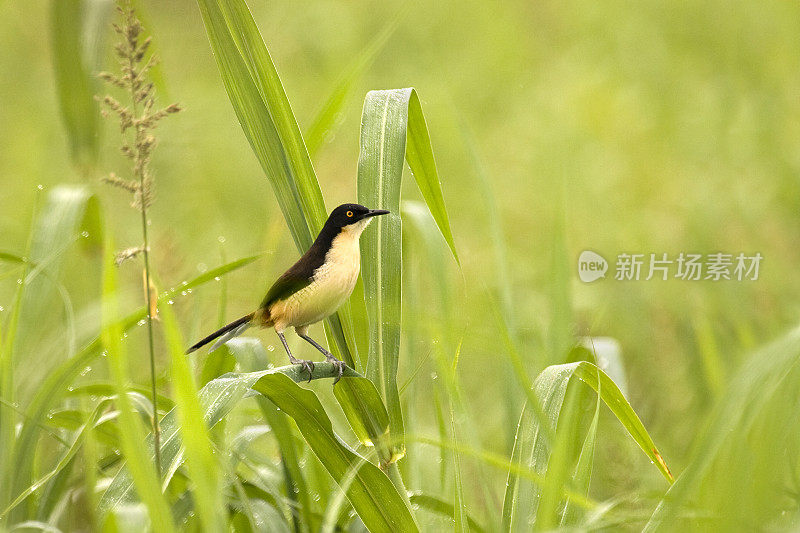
(299, 276)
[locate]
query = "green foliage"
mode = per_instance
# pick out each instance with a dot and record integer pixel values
(72, 65)
(555, 129)
(393, 129)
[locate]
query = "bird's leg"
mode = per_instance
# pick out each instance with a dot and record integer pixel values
(307, 365)
(328, 355)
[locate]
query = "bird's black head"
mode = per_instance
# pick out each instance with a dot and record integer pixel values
(347, 214)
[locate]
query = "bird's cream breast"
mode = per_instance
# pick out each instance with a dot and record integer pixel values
(332, 284)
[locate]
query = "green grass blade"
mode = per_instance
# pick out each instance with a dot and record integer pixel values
(217, 398)
(55, 386)
(55, 229)
(75, 84)
(371, 493)
(558, 462)
(582, 474)
(439, 506)
(419, 155)
(393, 129)
(66, 457)
(533, 450)
(329, 114)
(743, 473)
(132, 437)
(204, 471)
(380, 169)
(266, 117)
(364, 409)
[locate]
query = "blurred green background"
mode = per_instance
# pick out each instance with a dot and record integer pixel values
(643, 128)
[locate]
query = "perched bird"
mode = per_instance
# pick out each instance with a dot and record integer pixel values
(313, 288)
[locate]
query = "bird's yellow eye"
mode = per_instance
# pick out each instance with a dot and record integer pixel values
(350, 214)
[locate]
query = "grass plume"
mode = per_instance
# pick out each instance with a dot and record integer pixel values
(140, 117)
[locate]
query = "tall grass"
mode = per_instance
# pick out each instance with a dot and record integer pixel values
(414, 437)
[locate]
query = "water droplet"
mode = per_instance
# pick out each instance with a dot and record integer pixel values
(183, 293)
(270, 347)
(125, 335)
(141, 323)
(70, 388)
(170, 302)
(85, 234)
(189, 291)
(202, 267)
(434, 375)
(221, 238)
(2, 308)
(86, 370)
(40, 187)
(149, 222)
(19, 281)
(216, 278)
(104, 354)
(270, 366)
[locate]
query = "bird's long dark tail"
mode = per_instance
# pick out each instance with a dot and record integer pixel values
(226, 332)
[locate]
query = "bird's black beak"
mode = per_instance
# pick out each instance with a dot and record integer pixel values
(376, 212)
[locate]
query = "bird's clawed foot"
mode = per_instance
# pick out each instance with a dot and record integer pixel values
(339, 365)
(308, 366)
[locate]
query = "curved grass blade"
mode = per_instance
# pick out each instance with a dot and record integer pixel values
(203, 469)
(364, 409)
(371, 492)
(75, 84)
(742, 474)
(216, 399)
(81, 434)
(330, 112)
(266, 117)
(55, 229)
(56, 384)
(532, 448)
(437, 505)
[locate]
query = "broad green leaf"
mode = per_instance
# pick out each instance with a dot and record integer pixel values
(371, 493)
(266, 117)
(75, 82)
(216, 400)
(582, 474)
(364, 409)
(533, 450)
(393, 129)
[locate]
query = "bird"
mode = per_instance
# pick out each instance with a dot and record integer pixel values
(312, 288)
